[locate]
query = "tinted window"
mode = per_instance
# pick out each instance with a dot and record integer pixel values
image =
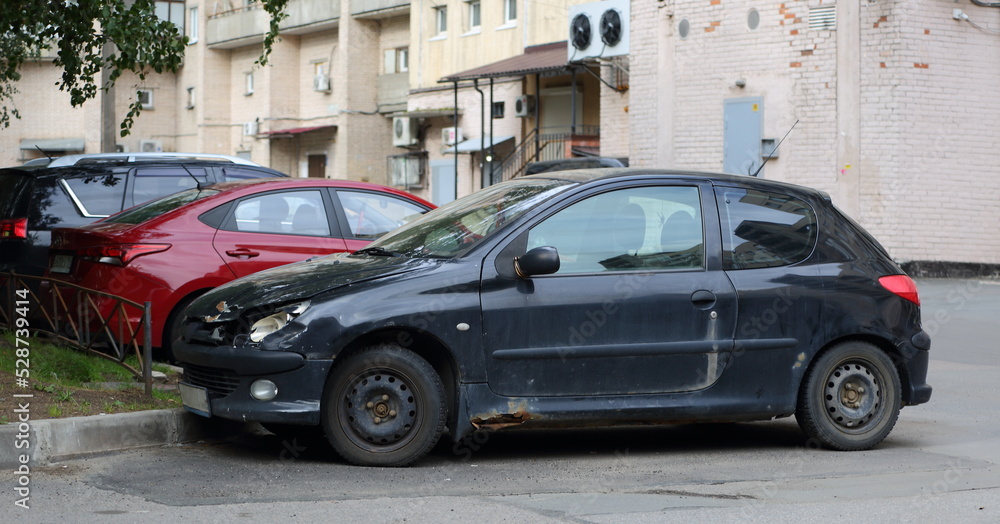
(155, 182)
(243, 173)
(764, 229)
(52, 207)
(371, 215)
(99, 196)
(629, 229)
(290, 212)
(160, 206)
(14, 187)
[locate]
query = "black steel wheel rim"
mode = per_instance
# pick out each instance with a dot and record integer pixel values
(379, 410)
(853, 396)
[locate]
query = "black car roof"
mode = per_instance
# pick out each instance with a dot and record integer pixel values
(594, 175)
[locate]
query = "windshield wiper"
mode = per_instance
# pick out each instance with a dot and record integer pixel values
(378, 251)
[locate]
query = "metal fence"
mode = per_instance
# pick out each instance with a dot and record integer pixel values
(98, 323)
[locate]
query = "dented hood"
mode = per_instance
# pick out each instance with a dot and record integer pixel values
(299, 281)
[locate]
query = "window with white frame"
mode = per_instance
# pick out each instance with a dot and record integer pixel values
(441, 20)
(396, 60)
(145, 98)
(171, 11)
(509, 11)
(474, 16)
(193, 25)
(248, 83)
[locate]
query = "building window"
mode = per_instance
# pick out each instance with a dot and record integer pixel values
(498, 109)
(171, 11)
(396, 60)
(248, 80)
(145, 98)
(474, 12)
(190, 98)
(509, 11)
(193, 25)
(441, 20)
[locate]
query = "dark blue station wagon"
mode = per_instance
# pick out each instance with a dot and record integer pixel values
(573, 298)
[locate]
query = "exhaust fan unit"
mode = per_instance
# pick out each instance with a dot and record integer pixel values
(321, 83)
(598, 30)
(150, 146)
(404, 131)
(451, 136)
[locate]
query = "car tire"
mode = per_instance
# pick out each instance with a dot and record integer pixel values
(384, 406)
(172, 329)
(850, 397)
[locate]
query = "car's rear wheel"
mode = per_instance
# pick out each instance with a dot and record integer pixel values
(172, 329)
(384, 406)
(850, 397)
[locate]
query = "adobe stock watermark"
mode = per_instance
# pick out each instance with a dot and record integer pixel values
(22, 413)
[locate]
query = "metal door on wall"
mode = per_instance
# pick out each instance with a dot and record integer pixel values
(442, 181)
(742, 121)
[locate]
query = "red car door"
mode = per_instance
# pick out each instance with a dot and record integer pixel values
(277, 228)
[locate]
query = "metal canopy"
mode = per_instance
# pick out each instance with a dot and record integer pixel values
(53, 144)
(475, 145)
(536, 59)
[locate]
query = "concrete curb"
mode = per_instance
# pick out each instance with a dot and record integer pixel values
(52, 440)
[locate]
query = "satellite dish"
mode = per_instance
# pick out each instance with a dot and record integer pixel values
(580, 31)
(611, 27)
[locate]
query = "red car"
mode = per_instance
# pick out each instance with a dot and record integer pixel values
(171, 250)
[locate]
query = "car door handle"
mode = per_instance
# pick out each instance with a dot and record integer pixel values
(242, 252)
(703, 299)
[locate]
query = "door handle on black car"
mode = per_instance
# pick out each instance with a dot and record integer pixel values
(703, 299)
(242, 252)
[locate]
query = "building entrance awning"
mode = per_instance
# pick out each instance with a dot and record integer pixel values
(295, 131)
(475, 145)
(536, 59)
(53, 144)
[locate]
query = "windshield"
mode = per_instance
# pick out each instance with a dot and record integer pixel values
(455, 228)
(144, 212)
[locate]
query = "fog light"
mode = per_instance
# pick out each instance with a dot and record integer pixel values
(263, 390)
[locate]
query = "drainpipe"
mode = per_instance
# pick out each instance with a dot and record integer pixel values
(454, 122)
(491, 155)
(482, 133)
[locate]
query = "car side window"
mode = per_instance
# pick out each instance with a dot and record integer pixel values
(642, 228)
(98, 196)
(289, 213)
(764, 229)
(156, 182)
(241, 173)
(371, 215)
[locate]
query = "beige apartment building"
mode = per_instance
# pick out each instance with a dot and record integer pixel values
(892, 101)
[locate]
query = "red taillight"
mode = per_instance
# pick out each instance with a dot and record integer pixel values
(901, 285)
(14, 228)
(120, 254)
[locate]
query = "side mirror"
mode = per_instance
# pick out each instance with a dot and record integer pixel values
(542, 260)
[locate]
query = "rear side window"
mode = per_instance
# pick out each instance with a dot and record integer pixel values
(14, 187)
(288, 212)
(764, 229)
(97, 196)
(156, 182)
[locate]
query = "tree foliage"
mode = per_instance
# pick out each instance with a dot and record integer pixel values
(76, 33)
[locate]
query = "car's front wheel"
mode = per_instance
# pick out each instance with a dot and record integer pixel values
(384, 406)
(850, 397)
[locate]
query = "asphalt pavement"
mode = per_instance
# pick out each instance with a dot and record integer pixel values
(940, 464)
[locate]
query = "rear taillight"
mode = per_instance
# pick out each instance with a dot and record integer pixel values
(14, 228)
(901, 285)
(120, 254)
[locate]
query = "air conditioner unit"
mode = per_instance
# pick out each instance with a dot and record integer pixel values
(321, 83)
(250, 128)
(404, 131)
(451, 136)
(151, 146)
(598, 30)
(524, 105)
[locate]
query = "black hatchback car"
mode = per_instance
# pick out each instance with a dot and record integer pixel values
(76, 190)
(576, 298)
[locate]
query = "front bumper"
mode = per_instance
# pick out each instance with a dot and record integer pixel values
(227, 372)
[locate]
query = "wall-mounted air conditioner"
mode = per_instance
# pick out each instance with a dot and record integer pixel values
(524, 105)
(404, 131)
(321, 83)
(250, 128)
(451, 136)
(598, 30)
(151, 146)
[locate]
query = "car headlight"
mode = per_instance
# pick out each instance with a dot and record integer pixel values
(277, 321)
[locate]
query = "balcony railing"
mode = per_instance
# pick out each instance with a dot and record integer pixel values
(235, 27)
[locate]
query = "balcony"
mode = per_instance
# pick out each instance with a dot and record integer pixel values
(246, 25)
(392, 92)
(379, 8)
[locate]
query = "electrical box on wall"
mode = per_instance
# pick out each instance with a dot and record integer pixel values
(404, 131)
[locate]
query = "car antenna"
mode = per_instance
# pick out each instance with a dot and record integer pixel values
(755, 173)
(197, 183)
(42, 151)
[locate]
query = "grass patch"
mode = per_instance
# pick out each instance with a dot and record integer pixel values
(54, 364)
